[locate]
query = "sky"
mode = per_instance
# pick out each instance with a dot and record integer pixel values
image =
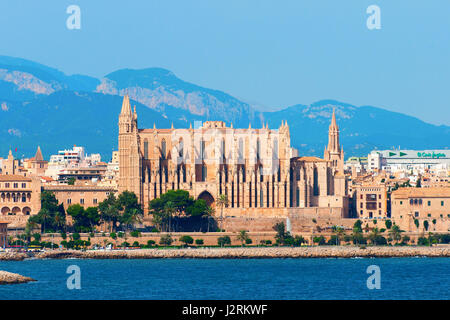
(270, 53)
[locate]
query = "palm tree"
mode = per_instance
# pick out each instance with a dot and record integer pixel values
(395, 232)
(222, 202)
(208, 214)
(242, 237)
(339, 231)
(45, 214)
(169, 210)
(374, 235)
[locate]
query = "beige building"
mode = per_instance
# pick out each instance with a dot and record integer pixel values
(19, 198)
(257, 169)
(37, 165)
(430, 204)
(371, 201)
(85, 195)
(10, 165)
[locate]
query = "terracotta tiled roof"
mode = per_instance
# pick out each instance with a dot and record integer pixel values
(422, 192)
(310, 159)
(13, 177)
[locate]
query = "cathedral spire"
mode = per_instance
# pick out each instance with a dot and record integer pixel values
(126, 107)
(333, 120)
(38, 156)
(333, 151)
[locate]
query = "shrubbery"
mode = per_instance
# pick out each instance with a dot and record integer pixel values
(223, 241)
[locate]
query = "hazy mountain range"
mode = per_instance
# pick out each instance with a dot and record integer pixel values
(40, 105)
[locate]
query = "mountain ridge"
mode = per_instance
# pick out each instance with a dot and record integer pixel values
(83, 110)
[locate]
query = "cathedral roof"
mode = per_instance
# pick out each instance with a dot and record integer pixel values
(309, 159)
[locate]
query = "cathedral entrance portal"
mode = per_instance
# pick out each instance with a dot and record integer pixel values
(205, 195)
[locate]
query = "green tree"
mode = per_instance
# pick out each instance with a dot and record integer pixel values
(426, 225)
(339, 232)
(83, 220)
(242, 236)
(71, 181)
(166, 240)
(186, 240)
(129, 208)
(357, 226)
(109, 211)
(388, 224)
(51, 217)
(181, 206)
(395, 233)
(223, 241)
(281, 235)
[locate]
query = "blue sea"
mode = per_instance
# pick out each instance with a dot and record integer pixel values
(400, 278)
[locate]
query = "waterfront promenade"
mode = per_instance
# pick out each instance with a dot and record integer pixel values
(238, 253)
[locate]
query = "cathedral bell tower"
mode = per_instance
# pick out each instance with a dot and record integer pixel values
(130, 162)
(333, 152)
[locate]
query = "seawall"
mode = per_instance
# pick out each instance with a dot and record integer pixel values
(241, 253)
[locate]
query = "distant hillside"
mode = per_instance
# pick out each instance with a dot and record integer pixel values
(159, 88)
(65, 118)
(22, 80)
(42, 106)
(362, 129)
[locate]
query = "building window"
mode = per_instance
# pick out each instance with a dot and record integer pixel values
(442, 203)
(95, 201)
(163, 149)
(204, 173)
(82, 201)
(145, 149)
(401, 202)
(16, 185)
(416, 214)
(24, 185)
(429, 203)
(258, 149)
(69, 201)
(202, 149)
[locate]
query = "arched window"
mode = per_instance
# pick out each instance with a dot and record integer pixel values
(145, 149)
(223, 149)
(258, 149)
(180, 148)
(261, 198)
(184, 173)
(204, 173)
(316, 182)
(163, 149)
(202, 149)
(241, 150)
